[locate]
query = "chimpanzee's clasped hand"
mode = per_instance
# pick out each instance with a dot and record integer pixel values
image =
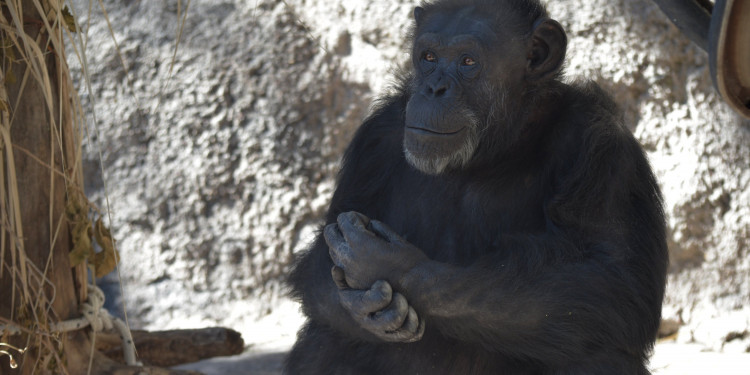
(369, 257)
(368, 251)
(382, 312)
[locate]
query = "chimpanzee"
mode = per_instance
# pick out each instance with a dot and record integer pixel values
(489, 218)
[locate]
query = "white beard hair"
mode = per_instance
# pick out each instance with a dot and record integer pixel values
(458, 159)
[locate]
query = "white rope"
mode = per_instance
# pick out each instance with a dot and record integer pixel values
(94, 316)
(10, 329)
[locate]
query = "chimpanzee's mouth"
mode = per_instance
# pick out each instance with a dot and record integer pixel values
(425, 131)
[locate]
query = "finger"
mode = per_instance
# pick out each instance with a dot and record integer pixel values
(338, 249)
(365, 220)
(353, 226)
(416, 336)
(379, 296)
(392, 317)
(354, 219)
(420, 331)
(411, 324)
(339, 278)
(363, 303)
(385, 232)
(412, 331)
(332, 234)
(361, 217)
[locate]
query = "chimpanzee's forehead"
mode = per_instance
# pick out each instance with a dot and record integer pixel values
(465, 22)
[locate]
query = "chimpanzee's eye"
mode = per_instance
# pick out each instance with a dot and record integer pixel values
(468, 61)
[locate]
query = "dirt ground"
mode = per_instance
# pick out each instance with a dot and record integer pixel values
(273, 336)
(668, 359)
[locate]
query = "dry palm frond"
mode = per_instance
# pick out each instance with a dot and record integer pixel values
(35, 74)
(34, 71)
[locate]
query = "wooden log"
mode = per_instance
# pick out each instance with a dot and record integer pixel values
(171, 348)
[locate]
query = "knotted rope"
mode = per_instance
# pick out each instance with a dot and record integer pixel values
(95, 316)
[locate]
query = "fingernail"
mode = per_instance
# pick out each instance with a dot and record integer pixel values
(352, 216)
(362, 217)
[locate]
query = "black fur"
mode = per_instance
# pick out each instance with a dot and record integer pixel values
(546, 255)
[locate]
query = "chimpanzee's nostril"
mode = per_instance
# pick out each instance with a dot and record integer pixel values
(436, 91)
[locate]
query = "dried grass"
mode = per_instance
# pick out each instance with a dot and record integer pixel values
(32, 292)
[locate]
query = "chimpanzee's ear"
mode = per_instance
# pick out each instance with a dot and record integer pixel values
(418, 13)
(546, 54)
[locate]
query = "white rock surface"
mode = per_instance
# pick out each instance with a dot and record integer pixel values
(219, 164)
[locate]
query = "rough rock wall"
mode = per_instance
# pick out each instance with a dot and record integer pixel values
(699, 149)
(219, 167)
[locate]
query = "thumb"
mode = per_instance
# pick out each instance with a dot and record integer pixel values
(385, 232)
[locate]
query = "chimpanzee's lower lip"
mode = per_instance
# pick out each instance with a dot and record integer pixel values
(422, 130)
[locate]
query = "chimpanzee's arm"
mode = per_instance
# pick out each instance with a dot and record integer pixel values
(593, 280)
(371, 311)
